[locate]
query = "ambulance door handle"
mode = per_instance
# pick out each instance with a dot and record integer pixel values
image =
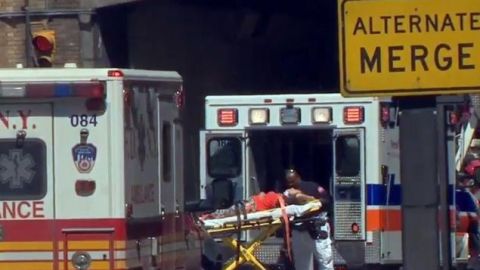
(21, 134)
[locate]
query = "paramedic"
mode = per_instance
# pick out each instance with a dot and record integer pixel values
(311, 240)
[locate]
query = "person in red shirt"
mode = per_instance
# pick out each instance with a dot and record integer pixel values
(264, 201)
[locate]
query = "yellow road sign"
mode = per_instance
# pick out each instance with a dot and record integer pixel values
(409, 47)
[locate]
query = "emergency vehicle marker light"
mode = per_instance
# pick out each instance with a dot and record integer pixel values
(85, 188)
(267, 100)
(353, 115)
(290, 100)
(355, 228)
(385, 115)
(259, 116)
(115, 73)
(312, 99)
(227, 117)
(321, 115)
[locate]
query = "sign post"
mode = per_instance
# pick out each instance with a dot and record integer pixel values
(418, 170)
(414, 50)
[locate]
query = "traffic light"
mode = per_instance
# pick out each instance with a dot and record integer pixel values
(44, 44)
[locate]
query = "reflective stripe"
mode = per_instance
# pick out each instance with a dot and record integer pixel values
(48, 256)
(26, 266)
(26, 256)
(14, 246)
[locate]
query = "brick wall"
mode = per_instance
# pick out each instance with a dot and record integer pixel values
(12, 31)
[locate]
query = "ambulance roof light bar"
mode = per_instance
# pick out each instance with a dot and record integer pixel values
(52, 90)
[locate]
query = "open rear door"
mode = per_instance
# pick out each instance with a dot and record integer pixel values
(222, 159)
(168, 132)
(349, 193)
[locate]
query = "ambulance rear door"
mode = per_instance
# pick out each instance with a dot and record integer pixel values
(171, 188)
(26, 183)
(349, 193)
(222, 166)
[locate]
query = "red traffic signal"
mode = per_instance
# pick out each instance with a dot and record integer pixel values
(44, 44)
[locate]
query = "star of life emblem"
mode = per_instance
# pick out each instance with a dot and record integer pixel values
(16, 168)
(84, 156)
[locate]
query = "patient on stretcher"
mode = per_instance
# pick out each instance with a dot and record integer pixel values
(263, 201)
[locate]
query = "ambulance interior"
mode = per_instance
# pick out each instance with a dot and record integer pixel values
(270, 152)
(309, 151)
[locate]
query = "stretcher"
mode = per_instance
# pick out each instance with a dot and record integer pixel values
(268, 222)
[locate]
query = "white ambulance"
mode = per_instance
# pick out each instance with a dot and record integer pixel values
(91, 171)
(350, 146)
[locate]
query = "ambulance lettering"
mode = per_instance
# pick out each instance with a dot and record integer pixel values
(22, 210)
(23, 114)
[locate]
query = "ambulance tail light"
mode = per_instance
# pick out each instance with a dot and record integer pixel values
(384, 115)
(85, 188)
(355, 228)
(321, 115)
(259, 116)
(54, 90)
(353, 115)
(227, 117)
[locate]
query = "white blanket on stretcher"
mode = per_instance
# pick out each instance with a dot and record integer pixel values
(291, 210)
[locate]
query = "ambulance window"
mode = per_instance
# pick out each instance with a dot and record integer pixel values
(347, 151)
(22, 170)
(224, 157)
(166, 151)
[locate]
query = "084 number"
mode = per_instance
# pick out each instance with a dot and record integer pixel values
(83, 120)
